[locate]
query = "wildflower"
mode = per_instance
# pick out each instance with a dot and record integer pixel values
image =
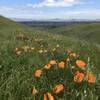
(73, 67)
(41, 46)
(32, 48)
(61, 65)
(45, 51)
(38, 40)
(26, 48)
(67, 59)
(47, 66)
(69, 51)
(73, 55)
(48, 96)
(18, 53)
(54, 49)
(53, 62)
(34, 91)
(57, 46)
(38, 73)
(16, 49)
(90, 77)
(79, 77)
(40, 51)
(58, 88)
(80, 63)
(22, 37)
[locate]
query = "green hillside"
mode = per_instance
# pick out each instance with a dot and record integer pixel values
(24, 49)
(85, 31)
(10, 28)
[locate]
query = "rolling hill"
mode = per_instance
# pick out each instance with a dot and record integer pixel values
(16, 70)
(85, 31)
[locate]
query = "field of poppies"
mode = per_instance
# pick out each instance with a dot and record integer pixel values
(65, 74)
(38, 65)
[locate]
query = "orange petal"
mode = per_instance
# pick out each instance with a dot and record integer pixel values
(80, 63)
(58, 88)
(45, 97)
(38, 73)
(47, 66)
(61, 65)
(53, 62)
(91, 78)
(50, 97)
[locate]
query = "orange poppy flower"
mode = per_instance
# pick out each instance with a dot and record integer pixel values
(90, 77)
(34, 91)
(80, 63)
(58, 88)
(61, 65)
(47, 66)
(79, 77)
(53, 62)
(48, 96)
(38, 73)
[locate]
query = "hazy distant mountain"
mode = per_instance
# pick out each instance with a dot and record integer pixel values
(55, 20)
(21, 19)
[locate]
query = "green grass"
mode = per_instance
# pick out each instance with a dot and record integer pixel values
(16, 73)
(85, 31)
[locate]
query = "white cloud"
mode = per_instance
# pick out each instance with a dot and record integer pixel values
(50, 1)
(18, 12)
(31, 12)
(55, 3)
(27, 13)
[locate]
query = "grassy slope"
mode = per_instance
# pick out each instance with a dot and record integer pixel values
(90, 31)
(16, 73)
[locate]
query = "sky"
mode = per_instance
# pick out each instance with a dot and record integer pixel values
(50, 9)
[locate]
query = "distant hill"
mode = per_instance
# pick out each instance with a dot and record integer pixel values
(9, 28)
(89, 31)
(55, 23)
(85, 31)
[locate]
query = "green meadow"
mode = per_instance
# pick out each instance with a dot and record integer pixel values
(17, 69)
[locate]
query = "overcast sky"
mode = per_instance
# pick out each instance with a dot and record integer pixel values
(50, 9)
